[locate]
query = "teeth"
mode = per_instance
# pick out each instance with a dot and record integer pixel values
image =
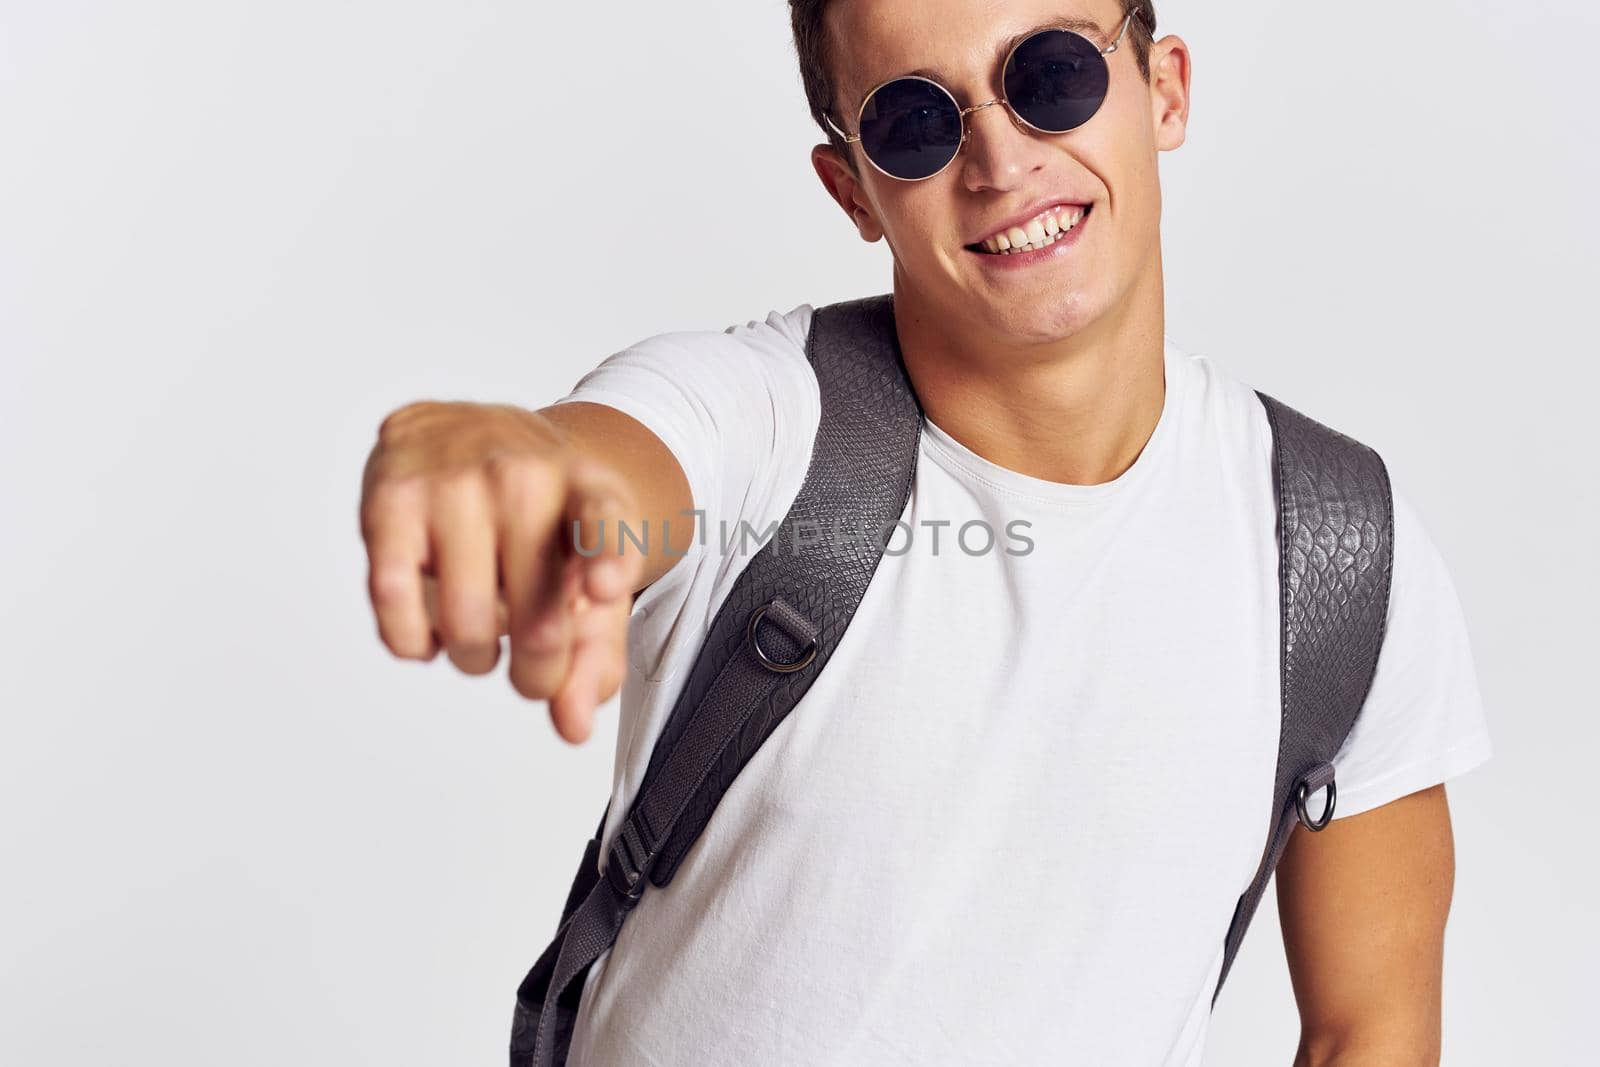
(1039, 232)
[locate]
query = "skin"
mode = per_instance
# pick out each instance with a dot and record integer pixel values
(467, 512)
(1363, 906)
(1055, 371)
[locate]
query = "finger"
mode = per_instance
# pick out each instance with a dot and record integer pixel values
(598, 664)
(396, 536)
(529, 501)
(541, 651)
(462, 537)
(430, 597)
(598, 507)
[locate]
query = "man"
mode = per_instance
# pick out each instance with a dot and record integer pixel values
(1010, 821)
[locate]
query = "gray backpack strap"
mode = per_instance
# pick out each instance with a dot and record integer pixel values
(1335, 561)
(772, 636)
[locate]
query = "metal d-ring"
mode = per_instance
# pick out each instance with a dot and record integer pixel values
(807, 653)
(1301, 794)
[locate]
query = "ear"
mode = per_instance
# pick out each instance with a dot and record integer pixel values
(845, 188)
(1169, 91)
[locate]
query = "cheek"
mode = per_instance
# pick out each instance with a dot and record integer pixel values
(1124, 155)
(1140, 193)
(1127, 173)
(911, 225)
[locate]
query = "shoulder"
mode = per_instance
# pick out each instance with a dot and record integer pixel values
(1423, 721)
(747, 383)
(788, 329)
(1219, 404)
(776, 341)
(779, 338)
(1256, 417)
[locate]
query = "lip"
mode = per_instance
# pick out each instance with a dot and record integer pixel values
(1022, 217)
(1020, 260)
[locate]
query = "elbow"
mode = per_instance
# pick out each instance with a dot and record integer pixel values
(1362, 1049)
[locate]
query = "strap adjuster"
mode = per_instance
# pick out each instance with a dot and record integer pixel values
(628, 861)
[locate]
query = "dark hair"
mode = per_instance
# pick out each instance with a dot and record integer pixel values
(811, 46)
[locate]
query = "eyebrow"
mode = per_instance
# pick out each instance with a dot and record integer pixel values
(1087, 27)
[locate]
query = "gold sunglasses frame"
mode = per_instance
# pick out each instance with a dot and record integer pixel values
(965, 111)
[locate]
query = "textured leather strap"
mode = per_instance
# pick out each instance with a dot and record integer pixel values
(807, 582)
(1335, 562)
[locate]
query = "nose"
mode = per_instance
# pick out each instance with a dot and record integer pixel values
(999, 151)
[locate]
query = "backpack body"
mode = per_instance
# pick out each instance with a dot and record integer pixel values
(790, 606)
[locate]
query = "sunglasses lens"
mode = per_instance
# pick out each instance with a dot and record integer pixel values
(1056, 80)
(910, 128)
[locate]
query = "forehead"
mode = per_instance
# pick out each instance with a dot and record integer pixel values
(955, 42)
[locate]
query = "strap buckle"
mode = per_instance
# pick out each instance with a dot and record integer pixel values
(628, 861)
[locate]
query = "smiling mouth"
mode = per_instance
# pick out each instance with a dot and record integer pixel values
(1041, 231)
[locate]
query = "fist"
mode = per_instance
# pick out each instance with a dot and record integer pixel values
(473, 517)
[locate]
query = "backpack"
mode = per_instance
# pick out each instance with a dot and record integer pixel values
(795, 598)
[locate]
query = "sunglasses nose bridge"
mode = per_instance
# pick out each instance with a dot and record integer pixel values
(999, 156)
(966, 123)
(1000, 102)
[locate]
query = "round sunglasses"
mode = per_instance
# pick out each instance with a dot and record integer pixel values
(912, 128)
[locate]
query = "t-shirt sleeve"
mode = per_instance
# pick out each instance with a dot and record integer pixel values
(1423, 721)
(738, 409)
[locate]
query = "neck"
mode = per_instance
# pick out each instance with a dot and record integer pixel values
(1077, 410)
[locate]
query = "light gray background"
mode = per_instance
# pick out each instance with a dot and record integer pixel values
(233, 235)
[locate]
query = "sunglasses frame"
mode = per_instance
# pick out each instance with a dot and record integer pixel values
(965, 111)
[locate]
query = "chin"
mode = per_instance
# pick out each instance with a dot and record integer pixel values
(1048, 317)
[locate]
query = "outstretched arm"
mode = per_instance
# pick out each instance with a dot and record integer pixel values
(467, 511)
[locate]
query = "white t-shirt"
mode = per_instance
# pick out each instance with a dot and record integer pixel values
(1010, 821)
